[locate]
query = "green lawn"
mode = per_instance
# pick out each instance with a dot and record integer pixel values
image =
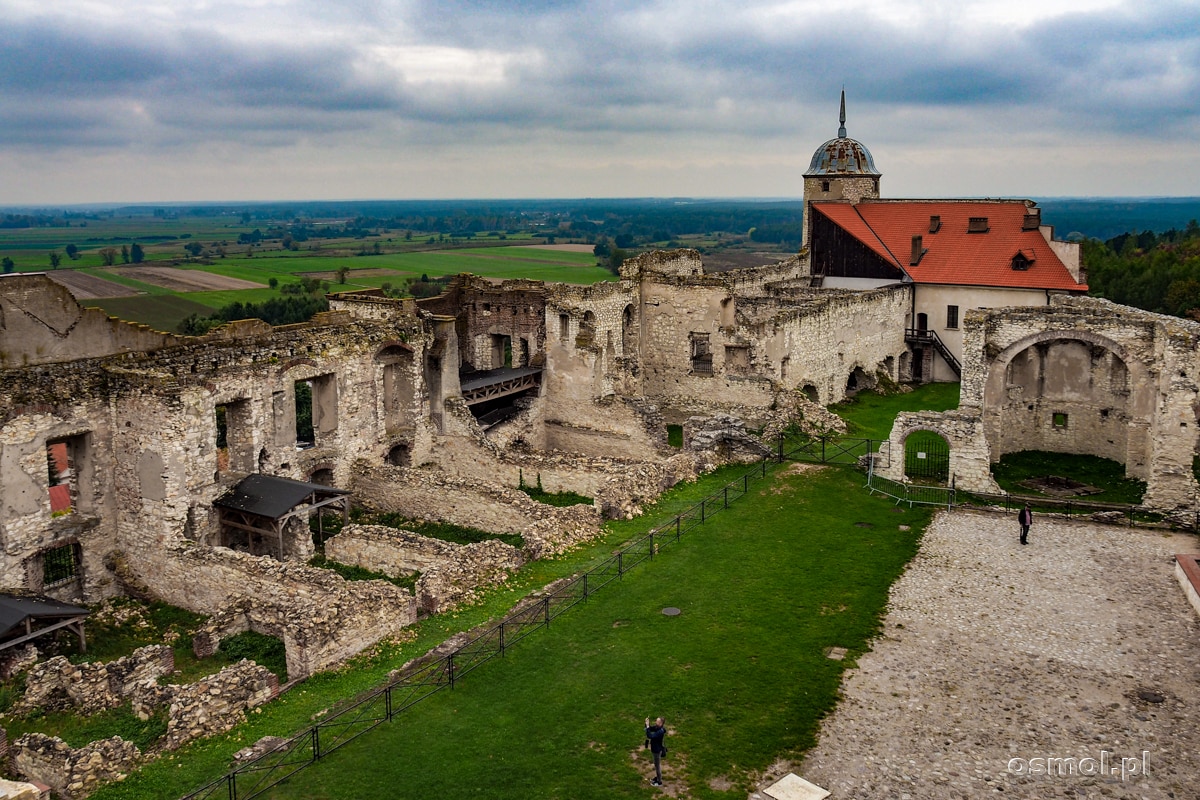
(870, 416)
(741, 676)
(1102, 473)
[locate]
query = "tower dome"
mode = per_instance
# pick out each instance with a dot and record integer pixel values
(843, 155)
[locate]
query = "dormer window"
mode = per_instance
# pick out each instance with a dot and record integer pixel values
(977, 225)
(935, 223)
(1023, 259)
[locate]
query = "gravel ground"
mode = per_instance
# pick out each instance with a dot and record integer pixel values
(1080, 645)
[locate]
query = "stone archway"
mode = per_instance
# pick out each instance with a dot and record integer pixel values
(1069, 391)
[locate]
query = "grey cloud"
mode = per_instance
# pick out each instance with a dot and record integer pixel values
(603, 70)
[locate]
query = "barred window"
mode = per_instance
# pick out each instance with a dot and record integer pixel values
(60, 565)
(951, 317)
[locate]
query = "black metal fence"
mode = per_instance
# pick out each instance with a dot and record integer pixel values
(421, 680)
(1065, 508)
(834, 449)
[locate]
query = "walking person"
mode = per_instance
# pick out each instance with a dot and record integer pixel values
(656, 735)
(1025, 519)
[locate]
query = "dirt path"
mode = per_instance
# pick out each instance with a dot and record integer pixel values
(1079, 646)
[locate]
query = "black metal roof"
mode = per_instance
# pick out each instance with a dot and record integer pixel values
(15, 610)
(272, 497)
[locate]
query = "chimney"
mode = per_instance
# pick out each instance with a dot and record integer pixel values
(917, 251)
(977, 225)
(935, 223)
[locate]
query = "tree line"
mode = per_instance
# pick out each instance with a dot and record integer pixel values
(1157, 272)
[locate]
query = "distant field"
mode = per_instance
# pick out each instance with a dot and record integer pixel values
(185, 280)
(85, 286)
(163, 312)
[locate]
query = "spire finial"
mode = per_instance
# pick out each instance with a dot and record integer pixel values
(842, 116)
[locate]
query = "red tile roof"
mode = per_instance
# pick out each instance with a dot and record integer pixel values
(955, 256)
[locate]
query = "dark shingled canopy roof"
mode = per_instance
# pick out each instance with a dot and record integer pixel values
(15, 610)
(272, 497)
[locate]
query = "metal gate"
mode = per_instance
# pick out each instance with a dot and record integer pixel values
(927, 457)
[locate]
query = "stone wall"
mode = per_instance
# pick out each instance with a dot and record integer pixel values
(40, 322)
(88, 688)
(1091, 377)
(450, 573)
(963, 432)
(432, 494)
(321, 618)
(214, 704)
(73, 773)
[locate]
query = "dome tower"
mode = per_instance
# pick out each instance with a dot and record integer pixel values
(841, 169)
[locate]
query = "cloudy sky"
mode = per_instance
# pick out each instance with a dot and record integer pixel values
(163, 100)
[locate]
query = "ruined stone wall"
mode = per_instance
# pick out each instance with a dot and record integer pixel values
(759, 346)
(593, 362)
(758, 281)
(451, 574)
(142, 433)
(432, 494)
(963, 432)
(321, 618)
(41, 322)
(485, 314)
(214, 704)
(46, 408)
(73, 773)
(56, 684)
(1089, 376)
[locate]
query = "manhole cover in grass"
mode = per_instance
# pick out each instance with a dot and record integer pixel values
(1057, 486)
(864, 525)
(835, 653)
(672, 611)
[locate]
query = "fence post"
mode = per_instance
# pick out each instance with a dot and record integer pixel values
(677, 519)
(387, 700)
(746, 483)
(702, 510)
(585, 591)
(726, 491)
(450, 669)
(620, 566)
(781, 448)
(316, 742)
(822, 449)
(651, 544)
(502, 636)
(232, 785)
(547, 604)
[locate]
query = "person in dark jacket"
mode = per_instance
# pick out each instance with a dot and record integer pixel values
(656, 735)
(1025, 519)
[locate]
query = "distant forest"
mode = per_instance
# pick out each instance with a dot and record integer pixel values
(1157, 272)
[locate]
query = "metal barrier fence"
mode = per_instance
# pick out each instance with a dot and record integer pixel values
(421, 680)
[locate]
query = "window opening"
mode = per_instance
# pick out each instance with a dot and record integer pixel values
(60, 565)
(701, 354)
(952, 317)
(61, 473)
(305, 435)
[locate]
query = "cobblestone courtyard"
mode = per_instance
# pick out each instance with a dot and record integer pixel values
(992, 651)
